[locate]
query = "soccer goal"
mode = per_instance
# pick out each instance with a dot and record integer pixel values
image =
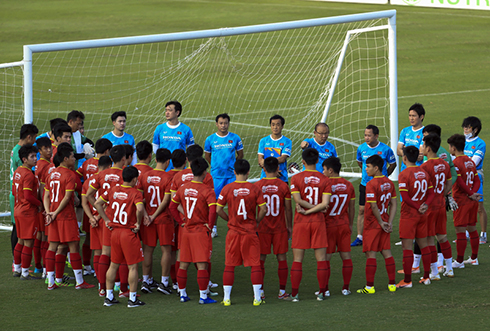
(339, 70)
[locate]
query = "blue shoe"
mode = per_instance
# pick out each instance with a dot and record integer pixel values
(357, 242)
(205, 301)
(38, 271)
(185, 299)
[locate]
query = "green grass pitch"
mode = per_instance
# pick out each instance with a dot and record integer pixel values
(443, 62)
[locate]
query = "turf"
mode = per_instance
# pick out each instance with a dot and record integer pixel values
(443, 61)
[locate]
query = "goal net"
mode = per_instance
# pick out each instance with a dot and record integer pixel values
(307, 71)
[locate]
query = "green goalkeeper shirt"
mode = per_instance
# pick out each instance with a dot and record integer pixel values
(15, 162)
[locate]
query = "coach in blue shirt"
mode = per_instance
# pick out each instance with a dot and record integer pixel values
(319, 142)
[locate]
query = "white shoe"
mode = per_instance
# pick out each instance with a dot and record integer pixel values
(440, 269)
(326, 294)
(457, 265)
(345, 292)
(212, 285)
(435, 277)
(398, 243)
(471, 261)
(448, 273)
(214, 232)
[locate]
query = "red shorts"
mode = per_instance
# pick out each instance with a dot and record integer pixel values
(157, 232)
(309, 235)
(96, 236)
(278, 240)
(338, 238)
(414, 227)
(194, 246)
(64, 231)
(106, 234)
(42, 222)
(437, 220)
(465, 215)
(242, 249)
(27, 226)
(86, 224)
(375, 240)
(125, 247)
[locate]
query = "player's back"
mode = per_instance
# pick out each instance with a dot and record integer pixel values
(154, 184)
(89, 168)
(122, 202)
(106, 179)
(466, 169)
(379, 190)
(274, 191)
(311, 186)
(186, 176)
(196, 198)
(43, 169)
(341, 193)
(62, 180)
(24, 179)
(439, 172)
(142, 168)
(416, 182)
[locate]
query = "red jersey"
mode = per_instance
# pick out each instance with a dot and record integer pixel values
(155, 184)
(416, 182)
(89, 168)
(185, 176)
(122, 201)
(379, 190)
(43, 169)
(107, 179)
(196, 198)
(142, 168)
(55, 150)
(466, 169)
(275, 191)
(341, 192)
(24, 179)
(242, 199)
(62, 180)
(311, 185)
(439, 172)
(85, 187)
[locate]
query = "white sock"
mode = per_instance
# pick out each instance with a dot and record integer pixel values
(25, 272)
(416, 260)
(281, 292)
(227, 292)
(59, 280)
(359, 236)
(467, 234)
(183, 292)
(117, 284)
(369, 287)
(203, 294)
(50, 275)
(132, 296)
(109, 294)
(146, 278)
(44, 270)
(440, 259)
(78, 276)
(483, 234)
(68, 257)
(17, 268)
(433, 267)
(257, 290)
(449, 264)
(165, 280)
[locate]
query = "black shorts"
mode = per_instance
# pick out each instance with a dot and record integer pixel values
(362, 195)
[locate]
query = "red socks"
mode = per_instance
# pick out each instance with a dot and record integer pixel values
(123, 275)
(322, 274)
(182, 278)
(446, 250)
(104, 262)
(202, 279)
(460, 246)
(475, 244)
(26, 257)
(87, 254)
(96, 263)
(282, 272)
(407, 265)
(262, 268)
(76, 261)
(37, 253)
(50, 258)
(296, 275)
(370, 271)
(229, 276)
(18, 253)
(173, 274)
(256, 275)
(60, 265)
(44, 249)
(426, 259)
(390, 269)
(433, 254)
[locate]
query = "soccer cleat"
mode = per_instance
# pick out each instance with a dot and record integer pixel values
(356, 242)
(262, 294)
(117, 288)
(366, 290)
(17, 274)
(414, 271)
(213, 294)
(283, 296)
(320, 297)
(435, 277)
(258, 302)
(164, 289)
(398, 243)
(175, 287)
(102, 293)
(64, 283)
(457, 265)
(226, 303)
(206, 301)
(43, 276)
(214, 232)
(29, 277)
(38, 271)
(108, 303)
(135, 303)
(440, 269)
(145, 288)
(184, 299)
(84, 286)
(54, 287)
(153, 284)
(425, 281)
(392, 287)
(345, 292)
(212, 285)
(87, 270)
(402, 284)
(448, 273)
(126, 294)
(471, 261)
(292, 298)
(483, 240)
(67, 277)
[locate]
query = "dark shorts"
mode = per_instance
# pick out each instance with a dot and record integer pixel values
(362, 195)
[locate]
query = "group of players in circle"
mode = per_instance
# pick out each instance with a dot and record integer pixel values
(129, 206)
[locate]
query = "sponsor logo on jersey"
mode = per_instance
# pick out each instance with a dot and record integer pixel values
(370, 195)
(92, 167)
(191, 192)
(241, 192)
(440, 167)
(469, 164)
(120, 196)
(292, 186)
(339, 188)
(222, 146)
(419, 174)
(385, 187)
(171, 138)
(153, 180)
(312, 180)
(187, 177)
(111, 178)
(17, 176)
(220, 197)
(402, 185)
(270, 189)
(443, 156)
(55, 175)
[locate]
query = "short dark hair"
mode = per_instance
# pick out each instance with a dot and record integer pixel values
(193, 152)
(163, 155)
(332, 163)
(310, 155)
(177, 106)
(28, 130)
(54, 121)
(129, 173)
(377, 161)
(143, 149)
(64, 150)
(74, 114)
(320, 124)
(473, 122)
(59, 129)
(432, 128)
(458, 141)
(418, 108)
(242, 167)
(374, 128)
(178, 158)
(117, 153)
(277, 117)
(199, 166)
(433, 141)
(105, 161)
(411, 152)
(129, 150)
(116, 114)
(224, 116)
(26, 150)
(270, 164)
(56, 160)
(43, 142)
(102, 145)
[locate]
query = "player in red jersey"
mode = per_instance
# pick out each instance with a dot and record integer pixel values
(62, 134)
(160, 226)
(276, 227)
(91, 166)
(309, 189)
(417, 193)
(61, 217)
(440, 173)
(26, 209)
(242, 241)
(465, 193)
(144, 149)
(378, 223)
(123, 219)
(199, 203)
